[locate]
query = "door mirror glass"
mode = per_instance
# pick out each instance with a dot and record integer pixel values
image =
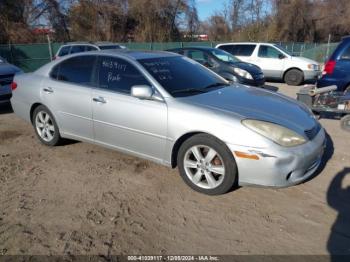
(142, 91)
(281, 56)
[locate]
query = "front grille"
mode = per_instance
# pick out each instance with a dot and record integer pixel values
(6, 79)
(312, 133)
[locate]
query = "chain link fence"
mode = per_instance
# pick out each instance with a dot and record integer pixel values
(29, 57)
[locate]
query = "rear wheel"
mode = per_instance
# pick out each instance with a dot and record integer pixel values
(345, 123)
(45, 126)
(207, 165)
(294, 77)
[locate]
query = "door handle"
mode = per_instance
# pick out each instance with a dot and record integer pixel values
(99, 99)
(48, 90)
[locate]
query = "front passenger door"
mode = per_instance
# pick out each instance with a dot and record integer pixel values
(122, 121)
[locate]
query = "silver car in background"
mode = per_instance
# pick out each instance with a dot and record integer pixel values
(172, 110)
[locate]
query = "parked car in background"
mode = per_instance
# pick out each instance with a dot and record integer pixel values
(78, 47)
(276, 62)
(337, 68)
(224, 64)
(7, 72)
(169, 109)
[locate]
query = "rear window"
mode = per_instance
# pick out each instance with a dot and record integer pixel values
(64, 51)
(346, 54)
(78, 70)
(105, 47)
(239, 50)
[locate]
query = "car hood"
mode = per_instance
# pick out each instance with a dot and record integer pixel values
(8, 69)
(300, 59)
(253, 69)
(255, 103)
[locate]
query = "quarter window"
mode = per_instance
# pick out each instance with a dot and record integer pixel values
(118, 75)
(78, 70)
(77, 49)
(64, 51)
(268, 52)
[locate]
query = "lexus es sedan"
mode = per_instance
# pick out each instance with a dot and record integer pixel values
(172, 110)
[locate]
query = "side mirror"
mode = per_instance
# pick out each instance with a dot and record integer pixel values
(142, 91)
(280, 56)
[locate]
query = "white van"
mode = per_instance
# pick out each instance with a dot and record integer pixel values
(275, 62)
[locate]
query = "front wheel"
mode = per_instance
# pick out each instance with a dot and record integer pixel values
(45, 126)
(294, 77)
(207, 165)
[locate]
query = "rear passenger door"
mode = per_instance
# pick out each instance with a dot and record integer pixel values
(67, 93)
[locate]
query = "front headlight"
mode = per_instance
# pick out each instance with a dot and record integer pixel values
(278, 134)
(243, 73)
(313, 67)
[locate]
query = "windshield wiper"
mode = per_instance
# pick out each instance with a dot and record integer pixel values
(215, 85)
(188, 90)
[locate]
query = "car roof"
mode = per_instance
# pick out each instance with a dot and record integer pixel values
(136, 54)
(204, 48)
(246, 43)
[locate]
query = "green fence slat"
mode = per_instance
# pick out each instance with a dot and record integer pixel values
(30, 57)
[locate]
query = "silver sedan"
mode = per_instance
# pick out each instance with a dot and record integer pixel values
(170, 109)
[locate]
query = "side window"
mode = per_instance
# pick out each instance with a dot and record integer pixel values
(54, 72)
(64, 51)
(346, 54)
(198, 56)
(227, 48)
(77, 49)
(244, 50)
(118, 75)
(90, 48)
(78, 70)
(268, 52)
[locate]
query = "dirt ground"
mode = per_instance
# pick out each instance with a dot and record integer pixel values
(84, 199)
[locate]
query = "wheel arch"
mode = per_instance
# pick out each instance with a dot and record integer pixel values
(182, 139)
(178, 144)
(32, 109)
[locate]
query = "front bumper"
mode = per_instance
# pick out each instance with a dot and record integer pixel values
(256, 82)
(278, 166)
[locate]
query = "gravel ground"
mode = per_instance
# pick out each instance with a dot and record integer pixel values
(84, 199)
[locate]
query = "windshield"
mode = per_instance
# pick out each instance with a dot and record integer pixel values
(105, 47)
(224, 56)
(181, 76)
(283, 49)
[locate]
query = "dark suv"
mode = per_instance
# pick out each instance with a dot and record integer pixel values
(7, 72)
(337, 68)
(224, 64)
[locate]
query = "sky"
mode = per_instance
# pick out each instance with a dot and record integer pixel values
(207, 8)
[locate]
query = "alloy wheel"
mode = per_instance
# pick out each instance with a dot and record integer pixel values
(44, 126)
(204, 166)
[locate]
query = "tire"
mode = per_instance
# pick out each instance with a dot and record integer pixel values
(345, 123)
(45, 126)
(294, 77)
(214, 176)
